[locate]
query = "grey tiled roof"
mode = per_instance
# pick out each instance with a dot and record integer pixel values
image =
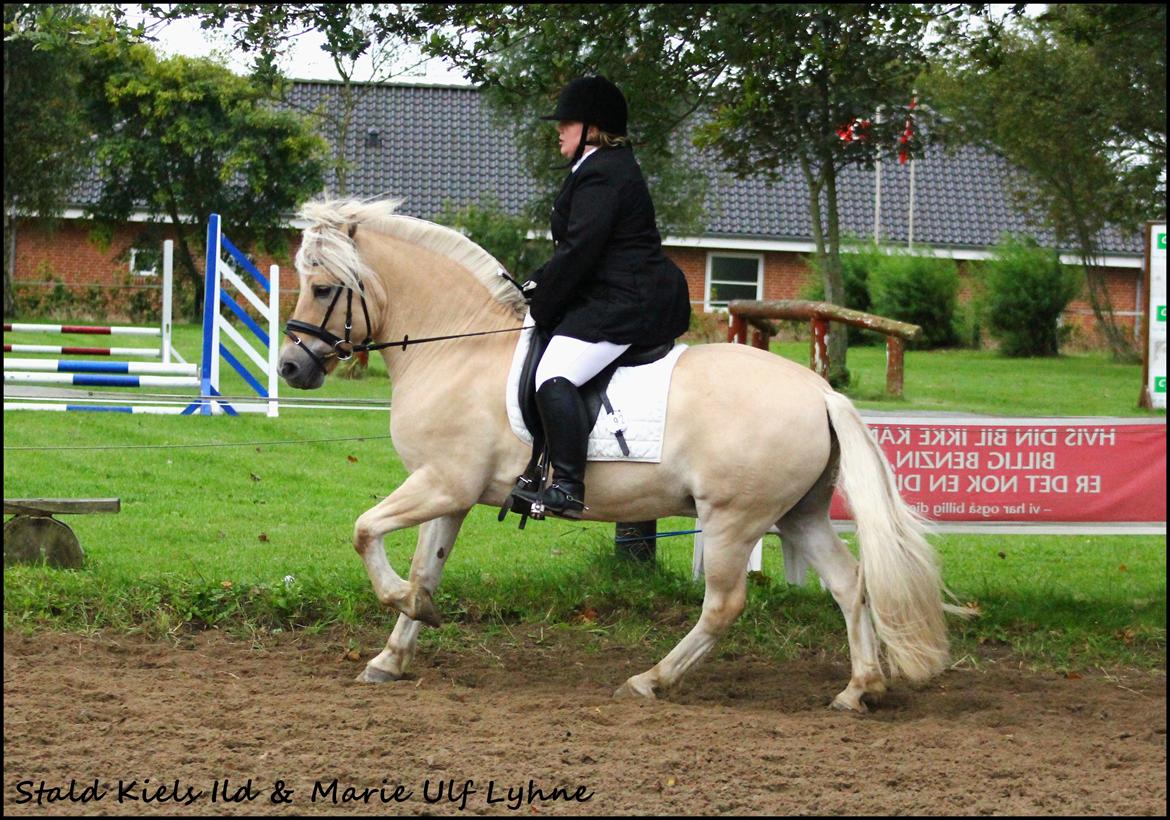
(438, 144)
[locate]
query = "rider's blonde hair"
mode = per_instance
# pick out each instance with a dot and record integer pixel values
(606, 139)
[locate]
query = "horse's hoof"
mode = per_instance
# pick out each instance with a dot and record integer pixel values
(420, 607)
(855, 706)
(425, 610)
(634, 691)
(372, 674)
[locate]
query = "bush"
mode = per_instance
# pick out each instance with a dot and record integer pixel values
(143, 305)
(857, 260)
(1027, 290)
(502, 235)
(969, 325)
(921, 290)
(706, 328)
(57, 303)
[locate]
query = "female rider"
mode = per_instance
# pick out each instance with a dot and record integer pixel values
(608, 284)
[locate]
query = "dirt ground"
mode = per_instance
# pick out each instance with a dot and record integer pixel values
(124, 717)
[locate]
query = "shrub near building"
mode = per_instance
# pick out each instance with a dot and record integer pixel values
(1027, 289)
(857, 260)
(922, 290)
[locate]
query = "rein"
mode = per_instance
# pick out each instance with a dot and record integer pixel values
(344, 348)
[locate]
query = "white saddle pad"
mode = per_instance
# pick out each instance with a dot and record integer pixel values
(638, 396)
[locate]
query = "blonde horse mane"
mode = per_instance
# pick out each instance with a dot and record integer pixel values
(328, 242)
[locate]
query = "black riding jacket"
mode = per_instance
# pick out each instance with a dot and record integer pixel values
(608, 279)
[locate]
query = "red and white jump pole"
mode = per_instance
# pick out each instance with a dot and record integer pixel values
(165, 351)
(102, 372)
(223, 260)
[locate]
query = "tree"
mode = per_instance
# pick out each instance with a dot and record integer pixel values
(351, 32)
(523, 55)
(47, 141)
(815, 89)
(773, 103)
(518, 93)
(1077, 101)
(184, 138)
(502, 235)
(1126, 43)
(767, 87)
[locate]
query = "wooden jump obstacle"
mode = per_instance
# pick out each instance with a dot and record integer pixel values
(33, 536)
(745, 313)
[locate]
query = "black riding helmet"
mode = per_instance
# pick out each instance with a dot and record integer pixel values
(592, 101)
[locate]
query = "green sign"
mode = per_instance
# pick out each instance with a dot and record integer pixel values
(1162, 240)
(1160, 384)
(1160, 313)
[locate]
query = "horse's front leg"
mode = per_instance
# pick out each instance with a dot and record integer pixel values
(422, 497)
(435, 541)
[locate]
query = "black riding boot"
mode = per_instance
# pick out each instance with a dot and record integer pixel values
(566, 427)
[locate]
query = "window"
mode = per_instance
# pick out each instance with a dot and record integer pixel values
(733, 276)
(145, 261)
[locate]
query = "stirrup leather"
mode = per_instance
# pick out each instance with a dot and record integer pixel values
(516, 501)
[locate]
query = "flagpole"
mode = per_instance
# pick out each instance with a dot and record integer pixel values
(906, 135)
(910, 235)
(877, 189)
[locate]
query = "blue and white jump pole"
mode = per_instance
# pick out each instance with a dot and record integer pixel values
(216, 326)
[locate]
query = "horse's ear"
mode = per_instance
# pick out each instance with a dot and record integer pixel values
(352, 230)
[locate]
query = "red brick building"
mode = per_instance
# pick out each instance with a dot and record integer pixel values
(424, 143)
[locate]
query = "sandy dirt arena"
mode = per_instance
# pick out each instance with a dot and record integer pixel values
(475, 730)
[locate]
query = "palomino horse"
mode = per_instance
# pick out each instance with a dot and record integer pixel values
(751, 440)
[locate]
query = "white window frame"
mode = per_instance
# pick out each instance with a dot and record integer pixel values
(759, 257)
(135, 271)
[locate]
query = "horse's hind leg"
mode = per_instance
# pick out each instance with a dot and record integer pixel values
(725, 557)
(435, 541)
(806, 528)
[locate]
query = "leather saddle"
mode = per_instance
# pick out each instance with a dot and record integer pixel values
(592, 392)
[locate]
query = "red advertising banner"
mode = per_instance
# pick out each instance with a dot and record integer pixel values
(1026, 470)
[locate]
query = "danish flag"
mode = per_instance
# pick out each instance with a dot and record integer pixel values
(907, 135)
(857, 129)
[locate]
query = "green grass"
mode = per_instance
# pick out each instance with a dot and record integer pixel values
(982, 381)
(259, 536)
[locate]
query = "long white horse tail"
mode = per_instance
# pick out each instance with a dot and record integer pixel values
(899, 569)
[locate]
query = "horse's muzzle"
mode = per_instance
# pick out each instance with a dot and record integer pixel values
(299, 370)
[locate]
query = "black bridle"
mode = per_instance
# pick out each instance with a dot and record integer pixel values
(344, 348)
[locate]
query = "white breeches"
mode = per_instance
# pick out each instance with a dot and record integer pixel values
(575, 360)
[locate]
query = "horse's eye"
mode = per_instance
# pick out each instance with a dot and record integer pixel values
(322, 291)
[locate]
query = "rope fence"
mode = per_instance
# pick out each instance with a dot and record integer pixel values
(303, 403)
(192, 446)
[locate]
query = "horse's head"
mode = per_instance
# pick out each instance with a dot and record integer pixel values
(343, 304)
(336, 309)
